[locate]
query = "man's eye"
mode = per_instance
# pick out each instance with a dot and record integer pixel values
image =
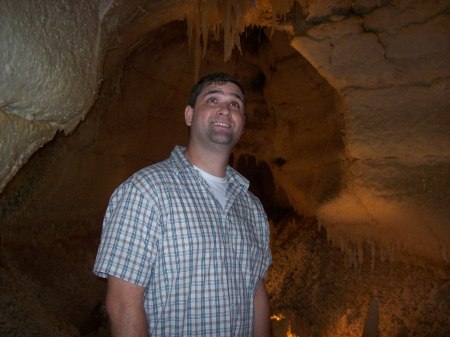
(235, 105)
(212, 100)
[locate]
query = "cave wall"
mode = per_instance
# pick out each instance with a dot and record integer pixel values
(55, 55)
(388, 65)
(51, 58)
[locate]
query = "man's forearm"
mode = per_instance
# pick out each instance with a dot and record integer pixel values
(262, 311)
(124, 303)
(128, 323)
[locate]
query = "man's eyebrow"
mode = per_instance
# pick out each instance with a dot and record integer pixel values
(215, 91)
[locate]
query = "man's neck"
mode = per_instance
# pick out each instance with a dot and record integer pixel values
(212, 161)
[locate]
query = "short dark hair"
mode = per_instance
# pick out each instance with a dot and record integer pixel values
(214, 78)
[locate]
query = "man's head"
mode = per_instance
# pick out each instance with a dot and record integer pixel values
(216, 112)
(215, 78)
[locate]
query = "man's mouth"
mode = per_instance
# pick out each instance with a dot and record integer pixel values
(222, 125)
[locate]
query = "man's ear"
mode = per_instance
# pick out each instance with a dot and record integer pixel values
(188, 112)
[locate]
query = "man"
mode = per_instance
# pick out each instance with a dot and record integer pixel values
(185, 245)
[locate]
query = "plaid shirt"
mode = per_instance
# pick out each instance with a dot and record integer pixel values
(200, 264)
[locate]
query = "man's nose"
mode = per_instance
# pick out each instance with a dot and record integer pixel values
(224, 109)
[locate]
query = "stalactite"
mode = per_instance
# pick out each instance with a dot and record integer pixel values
(214, 16)
(279, 10)
(209, 22)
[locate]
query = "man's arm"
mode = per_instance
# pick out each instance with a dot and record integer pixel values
(125, 306)
(262, 311)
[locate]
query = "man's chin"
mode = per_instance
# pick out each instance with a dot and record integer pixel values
(229, 142)
(224, 139)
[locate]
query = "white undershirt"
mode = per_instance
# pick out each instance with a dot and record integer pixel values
(217, 185)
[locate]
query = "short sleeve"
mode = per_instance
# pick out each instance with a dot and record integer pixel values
(267, 257)
(130, 236)
(264, 233)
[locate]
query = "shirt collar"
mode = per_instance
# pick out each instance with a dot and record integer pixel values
(180, 163)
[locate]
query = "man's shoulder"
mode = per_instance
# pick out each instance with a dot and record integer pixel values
(159, 171)
(152, 180)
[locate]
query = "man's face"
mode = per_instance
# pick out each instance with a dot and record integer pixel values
(218, 115)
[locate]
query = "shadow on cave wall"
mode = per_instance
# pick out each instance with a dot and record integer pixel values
(262, 184)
